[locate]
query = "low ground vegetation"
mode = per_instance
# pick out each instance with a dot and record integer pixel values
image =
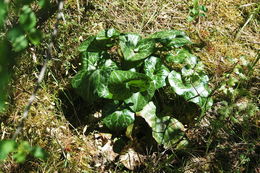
(218, 135)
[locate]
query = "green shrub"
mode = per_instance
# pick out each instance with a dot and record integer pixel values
(130, 71)
(15, 38)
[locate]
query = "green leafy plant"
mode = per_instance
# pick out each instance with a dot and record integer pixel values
(196, 11)
(131, 71)
(239, 107)
(20, 151)
(239, 74)
(26, 30)
(15, 38)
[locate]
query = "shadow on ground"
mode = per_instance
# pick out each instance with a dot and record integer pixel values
(78, 112)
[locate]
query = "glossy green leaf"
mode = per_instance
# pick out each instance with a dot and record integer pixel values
(84, 46)
(119, 120)
(6, 147)
(191, 83)
(194, 91)
(138, 100)
(165, 130)
(82, 87)
(171, 38)
(182, 144)
(99, 43)
(134, 48)
(154, 68)
(178, 42)
(98, 82)
(107, 34)
(122, 84)
(181, 88)
(182, 56)
(27, 18)
(90, 60)
(91, 84)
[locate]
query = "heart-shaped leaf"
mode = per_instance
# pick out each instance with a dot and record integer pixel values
(83, 87)
(171, 38)
(100, 45)
(119, 120)
(138, 100)
(154, 68)
(182, 56)
(92, 81)
(84, 46)
(90, 60)
(107, 34)
(195, 91)
(134, 48)
(122, 84)
(92, 44)
(165, 130)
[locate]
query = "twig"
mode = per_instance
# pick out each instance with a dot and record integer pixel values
(42, 72)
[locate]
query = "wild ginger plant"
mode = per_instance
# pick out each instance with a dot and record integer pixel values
(129, 70)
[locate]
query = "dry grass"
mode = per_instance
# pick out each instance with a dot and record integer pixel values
(48, 126)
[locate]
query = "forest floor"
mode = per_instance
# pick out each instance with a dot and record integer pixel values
(71, 132)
